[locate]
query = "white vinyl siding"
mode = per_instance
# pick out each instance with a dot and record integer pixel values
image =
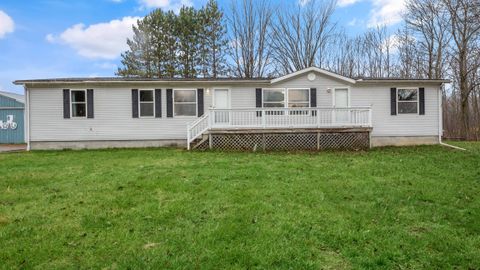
(113, 118)
(385, 124)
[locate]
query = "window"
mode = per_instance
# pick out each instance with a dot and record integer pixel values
(185, 102)
(407, 100)
(298, 98)
(273, 98)
(79, 103)
(146, 103)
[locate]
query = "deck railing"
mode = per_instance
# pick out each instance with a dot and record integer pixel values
(272, 118)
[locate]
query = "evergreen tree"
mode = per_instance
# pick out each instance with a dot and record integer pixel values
(187, 45)
(213, 41)
(188, 39)
(137, 62)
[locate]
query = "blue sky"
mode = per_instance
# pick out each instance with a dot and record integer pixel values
(73, 38)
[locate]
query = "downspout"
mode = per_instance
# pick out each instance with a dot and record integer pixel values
(27, 116)
(440, 122)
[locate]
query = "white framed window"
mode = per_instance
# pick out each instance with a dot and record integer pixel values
(273, 98)
(185, 102)
(407, 100)
(78, 103)
(299, 98)
(146, 103)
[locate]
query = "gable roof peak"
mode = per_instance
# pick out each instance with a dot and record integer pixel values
(314, 69)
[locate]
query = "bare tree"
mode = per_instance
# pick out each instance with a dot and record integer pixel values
(428, 19)
(301, 33)
(408, 55)
(249, 23)
(465, 31)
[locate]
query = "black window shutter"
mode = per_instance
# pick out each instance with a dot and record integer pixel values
(158, 103)
(169, 103)
(66, 103)
(90, 103)
(313, 97)
(313, 100)
(135, 103)
(200, 102)
(258, 100)
(393, 101)
(421, 97)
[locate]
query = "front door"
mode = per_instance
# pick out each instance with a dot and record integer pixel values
(341, 101)
(221, 102)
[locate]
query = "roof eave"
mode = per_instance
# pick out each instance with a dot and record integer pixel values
(440, 81)
(222, 82)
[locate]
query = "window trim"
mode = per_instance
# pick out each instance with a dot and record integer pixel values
(299, 88)
(174, 102)
(269, 89)
(408, 101)
(140, 103)
(76, 102)
(286, 100)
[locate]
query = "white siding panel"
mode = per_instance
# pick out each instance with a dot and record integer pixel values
(243, 97)
(384, 124)
(113, 118)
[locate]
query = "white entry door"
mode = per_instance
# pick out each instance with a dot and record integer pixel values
(221, 101)
(341, 101)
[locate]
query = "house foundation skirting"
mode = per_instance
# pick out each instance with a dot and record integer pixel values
(59, 145)
(379, 141)
(288, 140)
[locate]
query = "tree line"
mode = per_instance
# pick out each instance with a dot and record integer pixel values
(438, 39)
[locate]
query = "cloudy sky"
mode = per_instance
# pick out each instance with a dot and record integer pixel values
(71, 38)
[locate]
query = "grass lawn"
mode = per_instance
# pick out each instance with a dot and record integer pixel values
(402, 208)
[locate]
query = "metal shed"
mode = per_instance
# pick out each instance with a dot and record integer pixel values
(12, 107)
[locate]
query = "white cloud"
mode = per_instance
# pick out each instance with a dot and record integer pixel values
(303, 2)
(106, 65)
(386, 12)
(6, 24)
(344, 3)
(174, 5)
(98, 41)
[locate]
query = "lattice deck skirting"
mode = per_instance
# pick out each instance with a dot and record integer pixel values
(306, 140)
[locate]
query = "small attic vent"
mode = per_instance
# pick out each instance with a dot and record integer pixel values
(311, 76)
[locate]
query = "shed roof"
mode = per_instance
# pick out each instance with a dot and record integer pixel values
(17, 97)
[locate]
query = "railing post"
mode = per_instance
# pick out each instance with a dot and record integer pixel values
(333, 116)
(211, 116)
(263, 118)
(188, 137)
(370, 123)
(318, 117)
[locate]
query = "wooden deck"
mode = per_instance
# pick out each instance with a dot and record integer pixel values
(282, 129)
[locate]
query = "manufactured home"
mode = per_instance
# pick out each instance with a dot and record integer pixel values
(312, 109)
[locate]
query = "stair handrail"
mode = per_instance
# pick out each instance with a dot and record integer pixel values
(191, 127)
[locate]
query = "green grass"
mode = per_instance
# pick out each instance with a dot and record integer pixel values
(402, 208)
